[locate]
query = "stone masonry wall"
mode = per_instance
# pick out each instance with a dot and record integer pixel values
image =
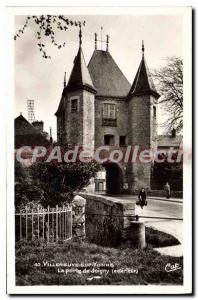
(107, 219)
(140, 127)
(122, 116)
(78, 217)
(88, 119)
(79, 126)
(73, 121)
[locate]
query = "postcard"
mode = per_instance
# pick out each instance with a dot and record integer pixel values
(99, 150)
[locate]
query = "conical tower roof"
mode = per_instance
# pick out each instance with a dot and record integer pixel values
(61, 107)
(143, 83)
(80, 77)
(106, 75)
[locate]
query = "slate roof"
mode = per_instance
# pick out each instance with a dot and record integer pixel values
(27, 135)
(80, 76)
(143, 82)
(106, 76)
(169, 141)
(61, 107)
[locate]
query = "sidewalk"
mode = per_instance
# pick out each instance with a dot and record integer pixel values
(171, 227)
(175, 251)
(176, 200)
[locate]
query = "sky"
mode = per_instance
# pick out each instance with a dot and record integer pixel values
(42, 79)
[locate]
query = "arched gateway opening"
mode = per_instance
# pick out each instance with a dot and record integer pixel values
(114, 179)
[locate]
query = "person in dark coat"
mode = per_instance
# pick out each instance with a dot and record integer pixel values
(142, 197)
(167, 190)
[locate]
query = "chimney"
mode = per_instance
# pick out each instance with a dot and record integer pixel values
(51, 140)
(38, 125)
(173, 133)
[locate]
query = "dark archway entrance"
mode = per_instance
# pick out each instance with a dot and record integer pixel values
(114, 179)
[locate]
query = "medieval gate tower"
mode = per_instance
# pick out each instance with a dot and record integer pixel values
(100, 107)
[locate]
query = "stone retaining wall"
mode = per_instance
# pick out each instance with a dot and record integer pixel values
(78, 217)
(107, 219)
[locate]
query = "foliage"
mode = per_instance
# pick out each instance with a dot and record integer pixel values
(59, 181)
(171, 172)
(46, 27)
(169, 82)
(149, 263)
(25, 191)
(51, 183)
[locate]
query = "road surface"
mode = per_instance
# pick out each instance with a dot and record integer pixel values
(166, 209)
(156, 208)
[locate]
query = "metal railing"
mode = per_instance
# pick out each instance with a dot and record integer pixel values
(51, 224)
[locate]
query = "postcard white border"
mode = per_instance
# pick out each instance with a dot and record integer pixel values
(186, 12)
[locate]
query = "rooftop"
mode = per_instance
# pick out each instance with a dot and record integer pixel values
(107, 78)
(169, 141)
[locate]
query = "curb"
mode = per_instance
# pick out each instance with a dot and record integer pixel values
(166, 200)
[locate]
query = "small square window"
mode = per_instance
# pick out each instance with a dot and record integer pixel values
(109, 139)
(122, 140)
(74, 105)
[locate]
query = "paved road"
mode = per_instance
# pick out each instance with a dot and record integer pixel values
(156, 208)
(162, 209)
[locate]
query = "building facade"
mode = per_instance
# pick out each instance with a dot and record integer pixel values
(100, 107)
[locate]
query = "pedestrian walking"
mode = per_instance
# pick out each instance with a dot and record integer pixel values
(142, 197)
(167, 190)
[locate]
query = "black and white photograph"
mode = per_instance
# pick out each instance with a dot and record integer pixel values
(100, 201)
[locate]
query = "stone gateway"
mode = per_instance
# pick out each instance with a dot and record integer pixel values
(100, 107)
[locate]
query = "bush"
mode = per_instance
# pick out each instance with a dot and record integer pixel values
(60, 181)
(25, 191)
(51, 183)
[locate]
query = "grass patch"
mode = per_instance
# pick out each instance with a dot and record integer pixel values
(146, 266)
(156, 238)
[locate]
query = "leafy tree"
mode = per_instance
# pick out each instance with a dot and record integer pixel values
(60, 181)
(51, 183)
(46, 27)
(25, 191)
(167, 171)
(169, 82)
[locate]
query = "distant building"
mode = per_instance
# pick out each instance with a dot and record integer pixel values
(26, 134)
(164, 142)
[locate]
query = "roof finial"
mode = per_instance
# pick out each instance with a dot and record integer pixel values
(80, 35)
(96, 41)
(101, 40)
(107, 42)
(142, 47)
(65, 83)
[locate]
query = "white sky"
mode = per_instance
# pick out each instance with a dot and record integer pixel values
(42, 80)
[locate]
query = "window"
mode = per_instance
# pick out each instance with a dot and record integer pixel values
(109, 111)
(99, 186)
(109, 114)
(74, 105)
(154, 112)
(122, 140)
(109, 140)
